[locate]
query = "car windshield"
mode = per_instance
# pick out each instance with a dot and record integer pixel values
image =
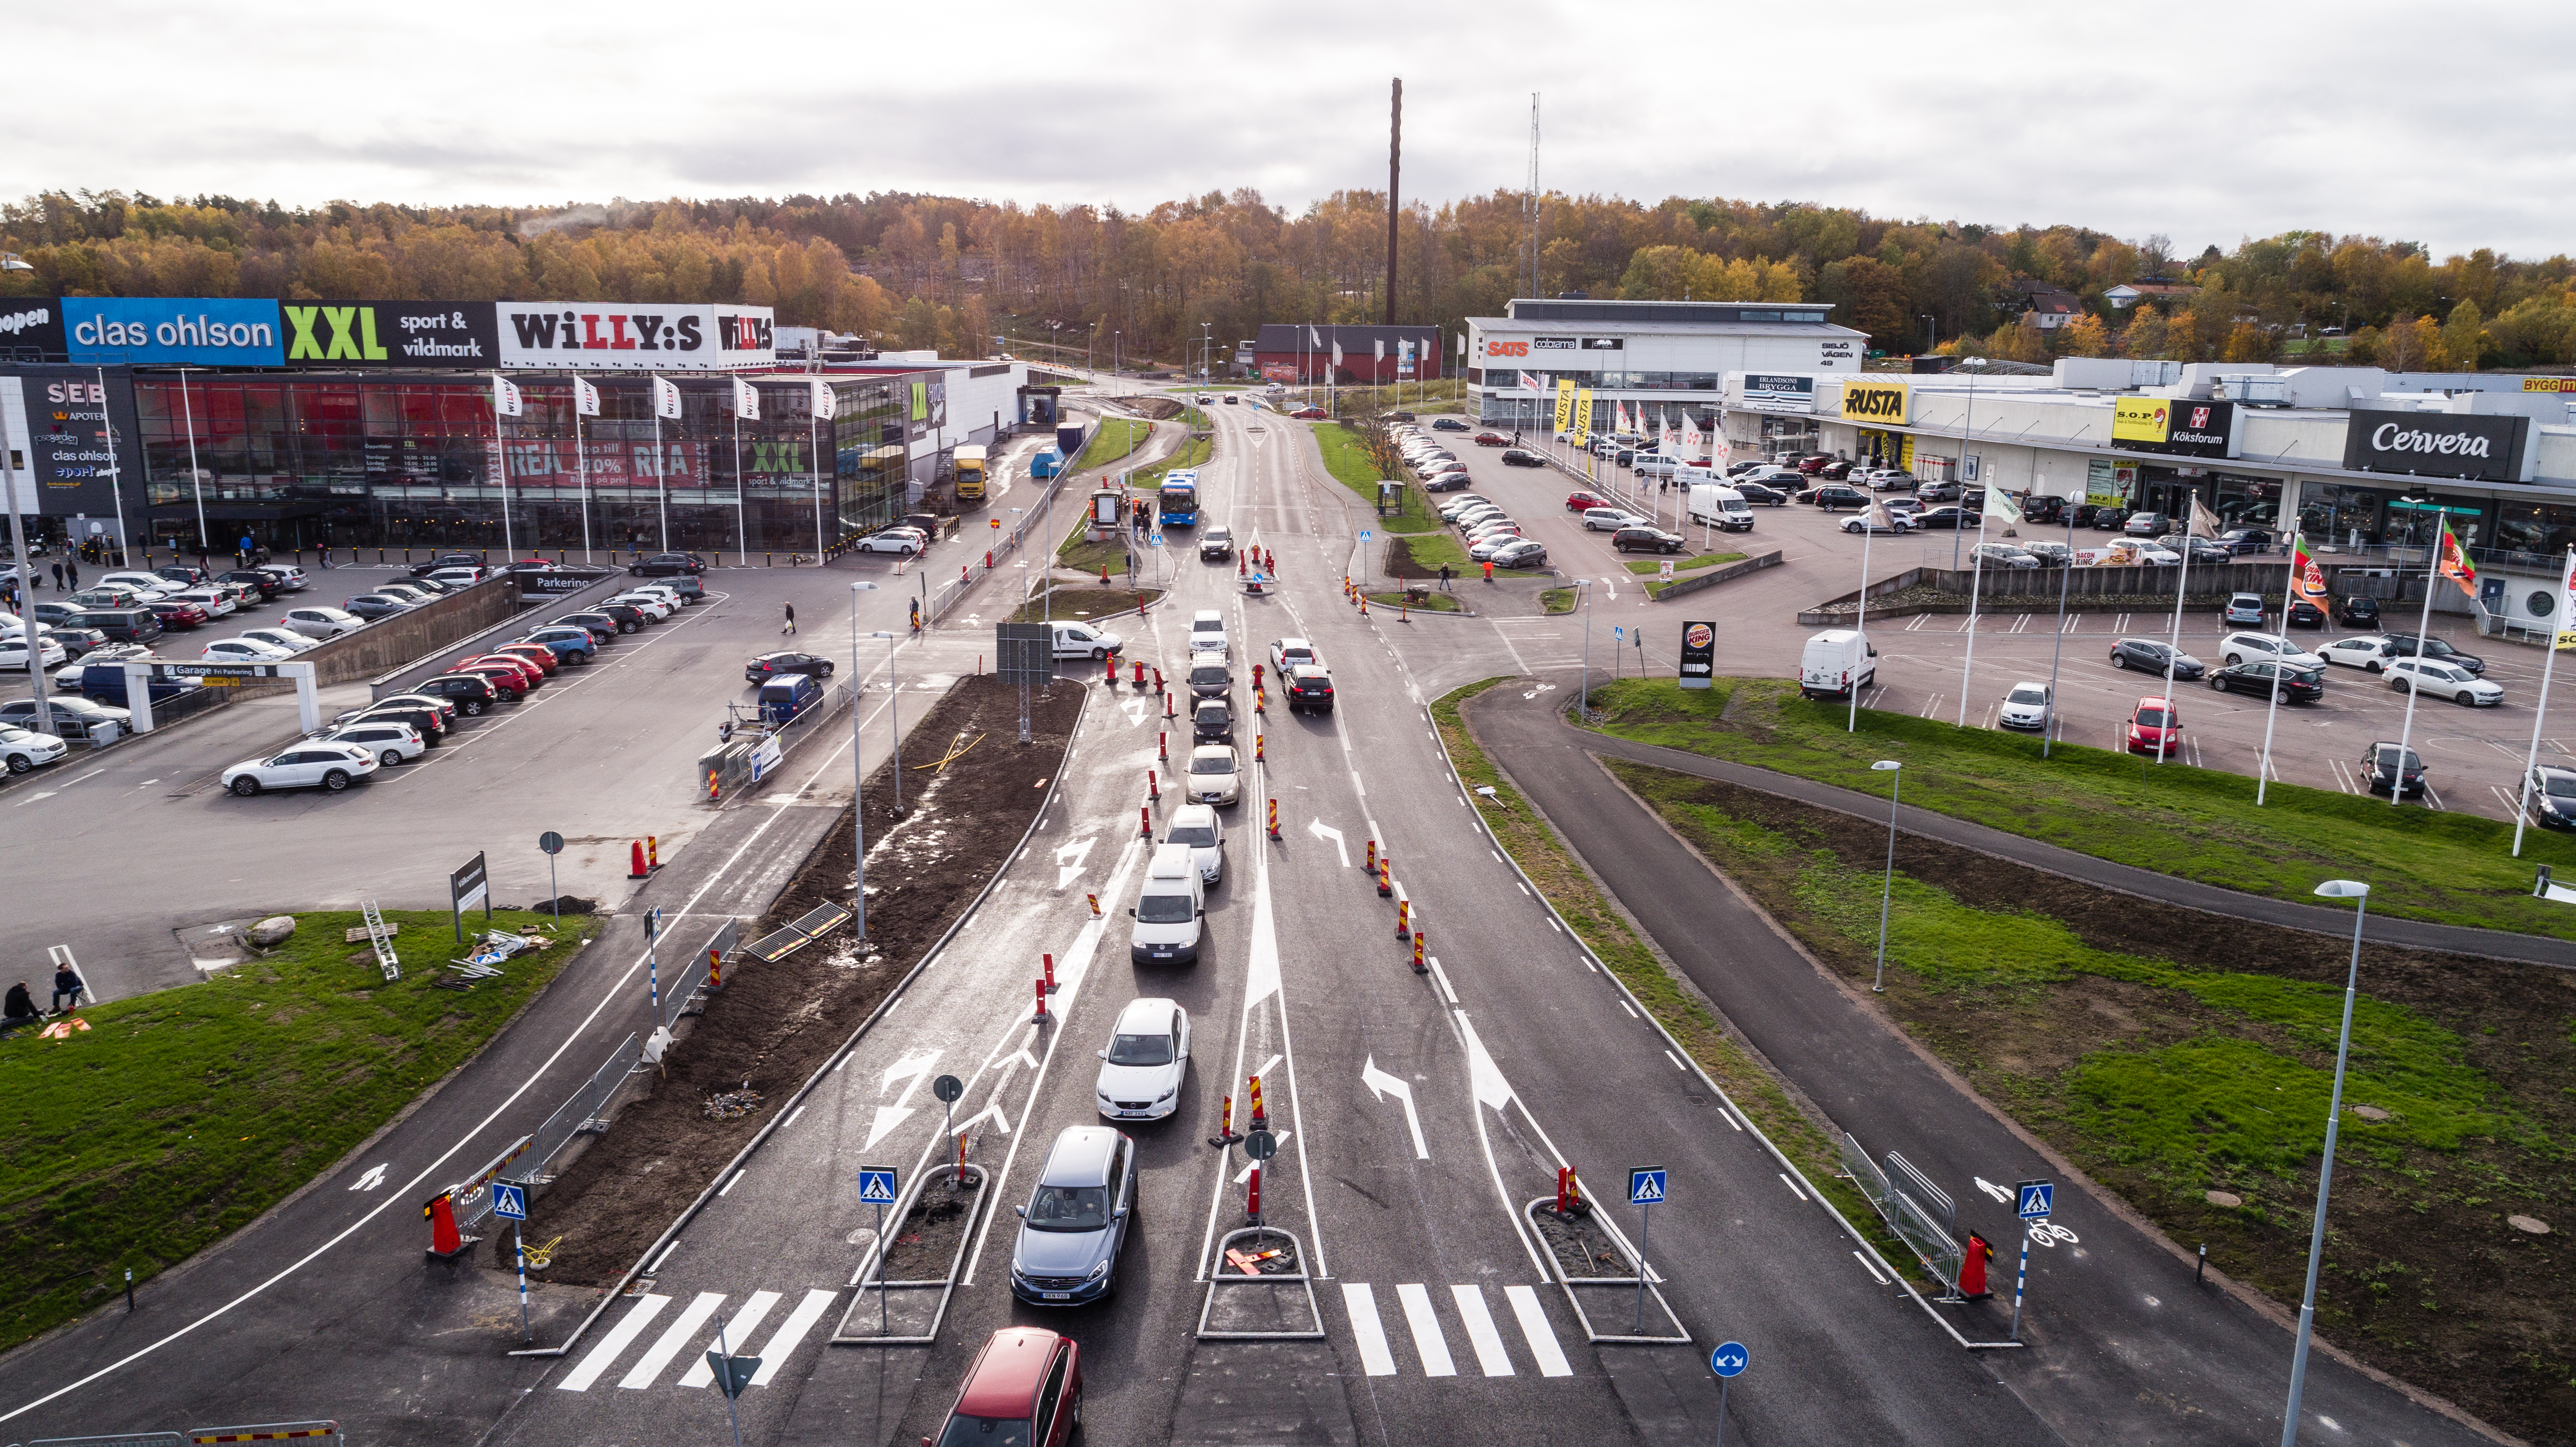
(1212, 673)
(1212, 766)
(1141, 1050)
(2559, 786)
(986, 1432)
(2153, 718)
(2388, 756)
(2028, 695)
(1201, 835)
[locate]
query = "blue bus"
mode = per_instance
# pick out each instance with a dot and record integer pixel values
(1180, 499)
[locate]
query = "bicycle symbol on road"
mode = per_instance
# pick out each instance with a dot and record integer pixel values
(2049, 1233)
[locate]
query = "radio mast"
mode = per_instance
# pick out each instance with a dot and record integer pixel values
(1530, 205)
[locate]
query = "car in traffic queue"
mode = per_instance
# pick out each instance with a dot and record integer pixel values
(2149, 656)
(2154, 727)
(1145, 1062)
(1198, 828)
(2291, 682)
(311, 764)
(1216, 543)
(1215, 775)
(24, 749)
(1212, 721)
(1309, 686)
(1287, 653)
(766, 666)
(2438, 679)
(1076, 1221)
(1207, 637)
(2551, 791)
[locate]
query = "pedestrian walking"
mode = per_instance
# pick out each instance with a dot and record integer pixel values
(68, 985)
(788, 612)
(72, 572)
(1446, 573)
(58, 576)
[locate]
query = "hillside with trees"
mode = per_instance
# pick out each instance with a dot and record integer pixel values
(924, 271)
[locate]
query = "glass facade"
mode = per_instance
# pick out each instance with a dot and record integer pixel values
(307, 462)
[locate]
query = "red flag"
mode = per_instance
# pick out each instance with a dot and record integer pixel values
(2452, 562)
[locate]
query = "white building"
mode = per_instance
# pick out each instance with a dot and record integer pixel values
(1666, 356)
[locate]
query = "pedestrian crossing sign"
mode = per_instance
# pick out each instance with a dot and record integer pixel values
(510, 1203)
(1646, 1186)
(876, 1185)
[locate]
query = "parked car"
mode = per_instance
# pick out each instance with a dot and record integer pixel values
(2147, 525)
(178, 614)
(546, 659)
(530, 674)
(2238, 648)
(1448, 424)
(2406, 645)
(1647, 540)
(1609, 519)
(290, 578)
(1527, 553)
(2110, 519)
(470, 693)
(1147, 1057)
(2384, 765)
(1889, 480)
(2443, 680)
(2370, 652)
(2293, 683)
(663, 565)
(1761, 492)
(71, 718)
(2304, 614)
(447, 560)
(1948, 515)
(2355, 610)
(1835, 495)
(372, 606)
(2246, 540)
(268, 584)
(1076, 1219)
(2004, 555)
(1492, 439)
(2552, 792)
(903, 542)
(1584, 502)
(2154, 727)
(1449, 481)
(766, 666)
(22, 749)
(2244, 610)
(1898, 524)
(244, 650)
(48, 653)
(392, 741)
(508, 685)
(121, 625)
(278, 637)
(2203, 550)
(318, 623)
(2051, 553)
(2028, 706)
(428, 717)
(2148, 656)
(312, 764)
(1515, 457)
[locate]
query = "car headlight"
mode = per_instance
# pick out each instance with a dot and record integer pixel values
(1099, 1270)
(1166, 1095)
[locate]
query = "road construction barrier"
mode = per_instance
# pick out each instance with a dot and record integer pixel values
(1109, 671)
(1163, 745)
(1041, 1017)
(1256, 678)
(1403, 918)
(1137, 680)
(1158, 680)
(1047, 964)
(263, 1432)
(1240, 565)
(1364, 605)
(1274, 818)
(1258, 756)
(1225, 1135)
(652, 852)
(1168, 711)
(1419, 967)
(1569, 1192)
(1386, 876)
(1095, 905)
(1260, 702)
(1972, 1268)
(1252, 1207)
(1144, 822)
(455, 1210)
(584, 1112)
(1153, 788)
(1260, 1118)
(637, 869)
(1369, 865)
(699, 975)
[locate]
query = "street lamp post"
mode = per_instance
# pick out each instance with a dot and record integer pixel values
(894, 713)
(858, 773)
(1894, 770)
(2359, 894)
(1583, 704)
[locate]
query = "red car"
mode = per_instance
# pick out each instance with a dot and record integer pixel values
(1308, 414)
(1492, 439)
(1577, 502)
(530, 671)
(2154, 727)
(506, 680)
(1024, 1389)
(536, 653)
(175, 614)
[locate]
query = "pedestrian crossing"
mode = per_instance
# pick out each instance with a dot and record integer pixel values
(693, 1331)
(1421, 1318)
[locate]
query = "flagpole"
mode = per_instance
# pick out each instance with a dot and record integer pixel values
(661, 468)
(2531, 763)
(581, 466)
(741, 523)
(814, 456)
(2057, 650)
(1976, 579)
(2432, 575)
(2173, 650)
(1860, 623)
(2272, 710)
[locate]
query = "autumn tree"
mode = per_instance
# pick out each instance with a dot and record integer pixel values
(2084, 337)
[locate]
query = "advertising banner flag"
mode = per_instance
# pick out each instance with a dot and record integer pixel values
(1314, 338)
(2003, 505)
(2453, 561)
(585, 398)
(1337, 353)
(505, 397)
(1529, 383)
(1380, 345)
(824, 397)
(746, 400)
(666, 399)
(2566, 597)
(1565, 406)
(2204, 523)
(1583, 414)
(2307, 580)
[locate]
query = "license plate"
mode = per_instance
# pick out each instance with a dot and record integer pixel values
(1056, 1295)
(1162, 954)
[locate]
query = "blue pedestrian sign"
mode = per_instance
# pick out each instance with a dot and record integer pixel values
(1365, 535)
(1646, 1186)
(510, 1203)
(1154, 538)
(1730, 1359)
(1618, 633)
(2036, 1198)
(876, 1185)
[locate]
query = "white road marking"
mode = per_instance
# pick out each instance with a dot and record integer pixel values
(1792, 1185)
(1535, 1329)
(613, 1345)
(1322, 830)
(736, 1332)
(1380, 1085)
(1428, 1343)
(1375, 1359)
(672, 1341)
(1872, 1270)
(374, 1177)
(1480, 1331)
(790, 1332)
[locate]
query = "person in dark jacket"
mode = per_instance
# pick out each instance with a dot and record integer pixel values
(20, 1008)
(68, 985)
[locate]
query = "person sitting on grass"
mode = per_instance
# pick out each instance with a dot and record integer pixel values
(19, 1011)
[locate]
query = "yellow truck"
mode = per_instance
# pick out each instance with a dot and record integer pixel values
(970, 474)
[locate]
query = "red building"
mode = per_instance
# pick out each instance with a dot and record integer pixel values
(1303, 352)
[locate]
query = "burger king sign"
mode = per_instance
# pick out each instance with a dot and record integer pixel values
(1699, 654)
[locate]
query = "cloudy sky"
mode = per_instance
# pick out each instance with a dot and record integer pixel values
(2445, 124)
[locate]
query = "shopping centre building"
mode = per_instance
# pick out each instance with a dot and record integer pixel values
(380, 423)
(1666, 357)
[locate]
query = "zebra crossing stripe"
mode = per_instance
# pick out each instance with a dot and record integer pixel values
(1480, 1331)
(736, 1332)
(1428, 1343)
(791, 1332)
(1375, 1359)
(1541, 1336)
(613, 1345)
(672, 1341)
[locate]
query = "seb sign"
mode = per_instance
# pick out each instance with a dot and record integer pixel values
(626, 337)
(2437, 444)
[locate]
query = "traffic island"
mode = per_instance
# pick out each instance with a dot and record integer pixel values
(774, 1024)
(1258, 1289)
(1081, 605)
(921, 1254)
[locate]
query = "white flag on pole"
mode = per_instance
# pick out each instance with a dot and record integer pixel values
(1530, 383)
(666, 399)
(1337, 352)
(824, 396)
(585, 398)
(746, 400)
(1380, 345)
(505, 397)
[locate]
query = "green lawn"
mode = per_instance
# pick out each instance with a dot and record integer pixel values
(1434, 601)
(2193, 823)
(1348, 461)
(1077, 551)
(1113, 439)
(1193, 452)
(1557, 600)
(181, 1115)
(1653, 566)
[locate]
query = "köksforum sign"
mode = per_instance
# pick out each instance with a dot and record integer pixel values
(454, 336)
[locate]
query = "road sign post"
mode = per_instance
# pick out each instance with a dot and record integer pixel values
(1366, 534)
(2034, 1198)
(733, 1373)
(1261, 1145)
(876, 1188)
(551, 844)
(1645, 1188)
(1728, 1361)
(653, 960)
(510, 1203)
(948, 1088)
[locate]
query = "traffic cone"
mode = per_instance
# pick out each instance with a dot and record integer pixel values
(1225, 1135)
(444, 1239)
(637, 870)
(1104, 575)
(1253, 1207)
(1110, 676)
(1163, 746)
(1972, 1267)
(1047, 962)
(1403, 919)
(1145, 817)
(1257, 755)
(1369, 865)
(1153, 788)
(1386, 876)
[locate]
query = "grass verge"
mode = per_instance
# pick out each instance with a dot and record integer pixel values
(1076, 604)
(1113, 439)
(179, 1116)
(1078, 551)
(1517, 828)
(2196, 824)
(1651, 566)
(1432, 602)
(1557, 600)
(1193, 452)
(2186, 1063)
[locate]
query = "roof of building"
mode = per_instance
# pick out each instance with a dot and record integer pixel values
(1682, 329)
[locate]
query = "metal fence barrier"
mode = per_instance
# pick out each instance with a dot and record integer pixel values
(260, 1432)
(687, 992)
(472, 1198)
(1927, 1229)
(578, 1115)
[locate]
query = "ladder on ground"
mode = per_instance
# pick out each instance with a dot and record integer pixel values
(382, 939)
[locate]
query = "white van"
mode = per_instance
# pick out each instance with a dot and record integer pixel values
(1169, 908)
(1081, 640)
(1722, 505)
(1836, 662)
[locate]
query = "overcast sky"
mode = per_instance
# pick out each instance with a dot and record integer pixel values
(2446, 124)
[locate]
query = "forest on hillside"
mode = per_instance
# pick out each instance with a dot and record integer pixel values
(927, 271)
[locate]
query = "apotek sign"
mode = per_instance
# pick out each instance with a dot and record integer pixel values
(2436, 444)
(2174, 425)
(1888, 402)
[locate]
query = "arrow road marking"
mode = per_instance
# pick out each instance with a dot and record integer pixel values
(1322, 830)
(1380, 1084)
(888, 1117)
(994, 1112)
(913, 1066)
(374, 1177)
(1991, 1189)
(1080, 849)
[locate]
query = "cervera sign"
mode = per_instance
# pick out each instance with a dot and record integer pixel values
(1886, 402)
(2436, 444)
(634, 337)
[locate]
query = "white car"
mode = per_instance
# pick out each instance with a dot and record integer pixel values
(24, 749)
(2443, 680)
(2026, 707)
(290, 579)
(901, 541)
(1147, 1058)
(1207, 634)
(1287, 653)
(13, 653)
(318, 623)
(244, 650)
(392, 742)
(312, 764)
(460, 577)
(216, 602)
(276, 637)
(150, 585)
(2238, 648)
(1197, 826)
(1214, 776)
(1610, 520)
(654, 605)
(677, 599)
(2369, 652)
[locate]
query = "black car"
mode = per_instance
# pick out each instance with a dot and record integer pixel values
(1835, 471)
(1647, 540)
(2044, 508)
(447, 560)
(1309, 686)
(599, 626)
(2553, 797)
(771, 665)
(424, 717)
(2381, 769)
(2110, 519)
(1834, 495)
(1212, 722)
(2403, 645)
(2357, 611)
(471, 695)
(2297, 685)
(266, 583)
(629, 618)
(663, 565)
(2203, 550)
(1761, 492)
(1447, 424)
(2304, 614)
(2148, 656)
(1445, 482)
(1211, 679)
(1949, 515)
(2146, 525)
(1215, 543)
(2084, 512)
(1515, 457)
(182, 574)
(2246, 540)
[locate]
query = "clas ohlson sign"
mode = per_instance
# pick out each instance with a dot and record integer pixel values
(193, 331)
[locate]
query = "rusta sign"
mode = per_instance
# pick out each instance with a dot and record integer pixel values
(624, 337)
(1888, 402)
